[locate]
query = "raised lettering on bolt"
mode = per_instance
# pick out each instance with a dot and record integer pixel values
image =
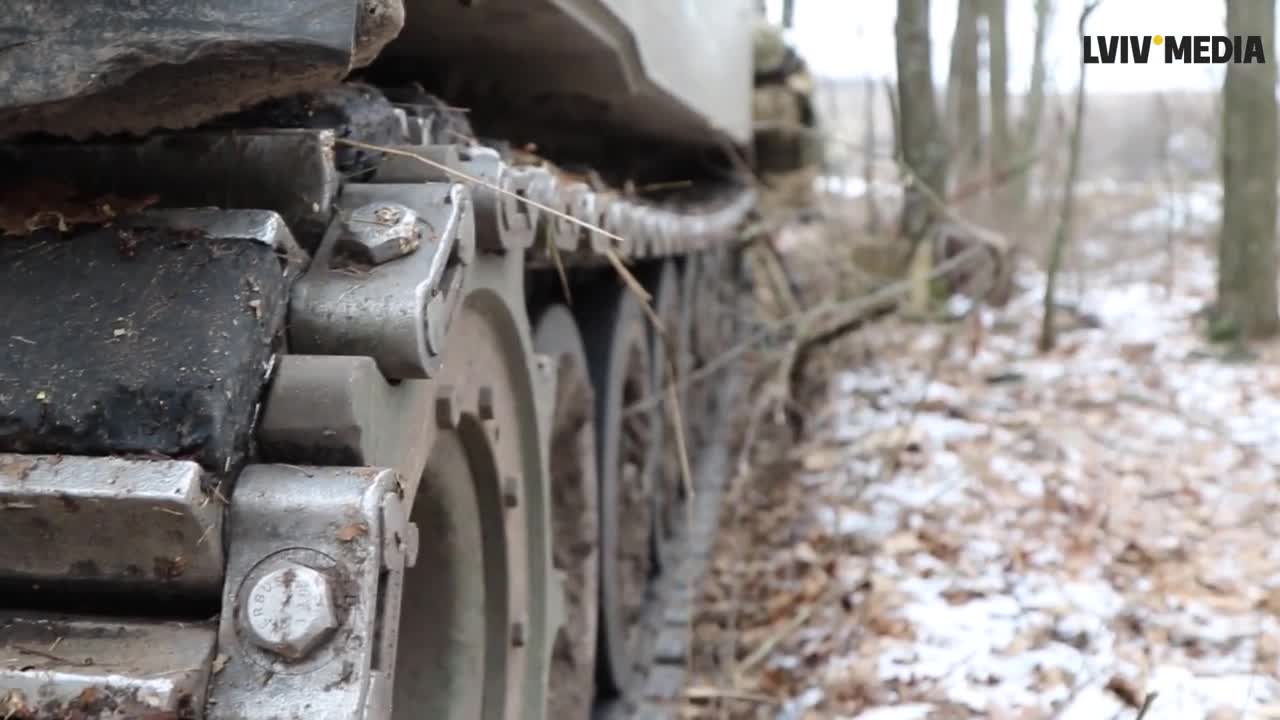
(290, 611)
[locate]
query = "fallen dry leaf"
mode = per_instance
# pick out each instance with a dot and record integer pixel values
(351, 532)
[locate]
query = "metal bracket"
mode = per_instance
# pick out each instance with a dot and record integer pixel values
(503, 222)
(312, 596)
(398, 311)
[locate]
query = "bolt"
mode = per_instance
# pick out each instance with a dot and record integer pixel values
(448, 413)
(380, 232)
(484, 405)
(517, 634)
(290, 611)
(511, 491)
(545, 365)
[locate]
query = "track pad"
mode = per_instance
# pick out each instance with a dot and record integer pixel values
(141, 339)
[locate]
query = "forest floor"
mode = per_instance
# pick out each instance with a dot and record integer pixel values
(971, 528)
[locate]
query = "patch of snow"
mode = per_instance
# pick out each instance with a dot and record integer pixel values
(910, 711)
(1182, 695)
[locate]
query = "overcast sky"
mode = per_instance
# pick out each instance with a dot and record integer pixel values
(851, 38)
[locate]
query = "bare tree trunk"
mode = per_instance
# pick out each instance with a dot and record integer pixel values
(1033, 111)
(998, 68)
(1246, 306)
(788, 13)
(869, 159)
(891, 91)
(922, 140)
(963, 110)
(1048, 330)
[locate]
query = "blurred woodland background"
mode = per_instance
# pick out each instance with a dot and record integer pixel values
(1015, 453)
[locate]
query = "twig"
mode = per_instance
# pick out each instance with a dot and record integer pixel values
(1146, 705)
(704, 692)
(46, 655)
(762, 651)
(1048, 333)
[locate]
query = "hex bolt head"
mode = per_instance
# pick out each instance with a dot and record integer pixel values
(511, 491)
(485, 403)
(517, 634)
(448, 412)
(290, 611)
(380, 232)
(545, 365)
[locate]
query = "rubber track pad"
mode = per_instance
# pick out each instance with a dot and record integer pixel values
(136, 341)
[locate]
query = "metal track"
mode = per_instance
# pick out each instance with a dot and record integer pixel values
(669, 624)
(409, 402)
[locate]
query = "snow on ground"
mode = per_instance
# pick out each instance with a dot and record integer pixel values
(979, 530)
(1196, 208)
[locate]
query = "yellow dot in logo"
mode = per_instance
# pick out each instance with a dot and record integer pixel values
(1157, 39)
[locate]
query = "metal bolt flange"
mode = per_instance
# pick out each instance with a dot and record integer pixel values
(290, 611)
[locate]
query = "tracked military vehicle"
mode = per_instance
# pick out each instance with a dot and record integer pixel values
(343, 348)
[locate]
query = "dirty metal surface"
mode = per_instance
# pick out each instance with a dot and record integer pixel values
(140, 528)
(468, 445)
(79, 69)
(191, 345)
(291, 171)
(54, 666)
(172, 365)
(398, 311)
(297, 172)
(311, 601)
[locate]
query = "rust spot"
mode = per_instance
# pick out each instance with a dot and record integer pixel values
(169, 568)
(352, 531)
(41, 204)
(17, 467)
